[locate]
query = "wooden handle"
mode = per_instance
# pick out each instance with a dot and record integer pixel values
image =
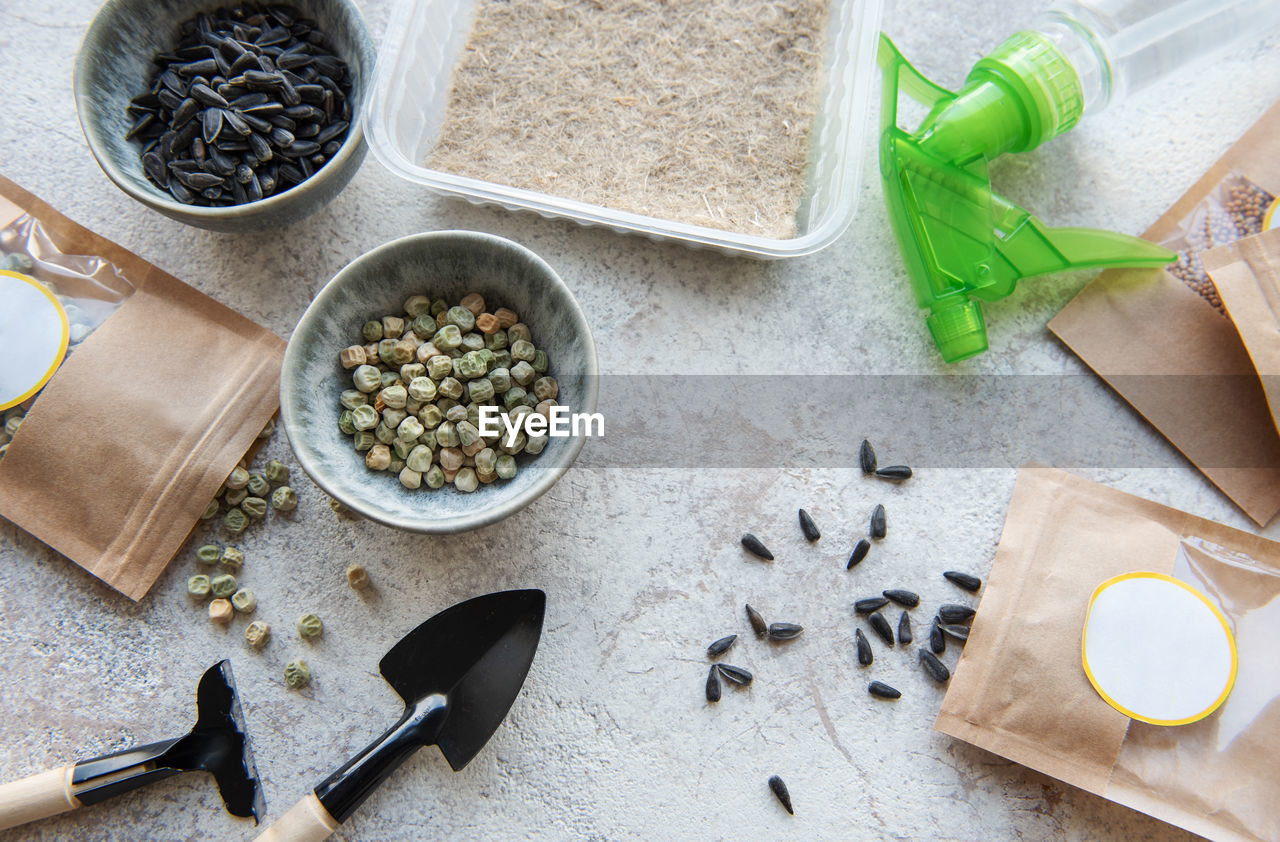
(306, 821)
(37, 797)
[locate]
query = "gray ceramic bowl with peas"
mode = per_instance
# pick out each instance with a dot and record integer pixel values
(447, 265)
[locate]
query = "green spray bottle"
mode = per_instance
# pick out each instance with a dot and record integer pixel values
(963, 243)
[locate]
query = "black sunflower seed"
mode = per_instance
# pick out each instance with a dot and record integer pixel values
(304, 112)
(259, 80)
(236, 123)
(331, 148)
(758, 625)
(753, 545)
(867, 457)
(780, 792)
(258, 124)
(906, 599)
(153, 166)
(243, 173)
(959, 632)
(904, 628)
(859, 553)
(721, 646)
(878, 525)
(870, 604)
(206, 95)
(784, 631)
(880, 626)
(169, 99)
(713, 684)
(139, 125)
(883, 691)
(955, 613)
(184, 112)
(260, 147)
(180, 192)
(302, 148)
(244, 63)
(737, 675)
(937, 641)
(200, 180)
(203, 67)
(864, 648)
(894, 472)
(331, 131)
(964, 580)
(211, 123)
(808, 527)
(936, 669)
(280, 137)
(257, 99)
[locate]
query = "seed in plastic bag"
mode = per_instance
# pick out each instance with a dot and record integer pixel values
(754, 546)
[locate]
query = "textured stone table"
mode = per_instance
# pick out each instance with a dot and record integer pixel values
(611, 737)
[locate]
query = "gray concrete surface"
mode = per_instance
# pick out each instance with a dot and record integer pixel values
(611, 737)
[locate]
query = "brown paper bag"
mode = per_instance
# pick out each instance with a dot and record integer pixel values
(131, 438)
(1020, 689)
(1247, 275)
(1176, 359)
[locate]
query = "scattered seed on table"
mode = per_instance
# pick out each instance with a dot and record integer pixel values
(883, 691)
(937, 642)
(754, 546)
(867, 456)
(894, 472)
(878, 525)
(780, 792)
(859, 553)
(721, 646)
(864, 648)
(904, 628)
(964, 580)
(713, 684)
(956, 630)
(933, 666)
(758, 625)
(956, 613)
(808, 527)
(880, 626)
(737, 675)
(784, 631)
(870, 604)
(906, 599)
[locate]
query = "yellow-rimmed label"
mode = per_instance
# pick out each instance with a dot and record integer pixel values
(1157, 650)
(33, 337)
(1269, 221)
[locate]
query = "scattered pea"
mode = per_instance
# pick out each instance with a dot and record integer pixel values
(235, 521)
(256, 634)
(222, 585)
(357, 577)
(277, 472)
(258, 485)
(208, 554)
(237, 479)
(283, 499)
(220, 611)
(232, 557)
(244, 601)
(198, 587)
(235, 496)
(254, 507)
(297, 674)
(309, 626)
(211, 510)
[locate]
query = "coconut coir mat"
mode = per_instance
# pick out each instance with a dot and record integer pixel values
(696, 111)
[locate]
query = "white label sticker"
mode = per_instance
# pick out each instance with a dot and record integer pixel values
(33, 337)
(1157, 650)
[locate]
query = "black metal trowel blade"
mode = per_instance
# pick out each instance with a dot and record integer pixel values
(225, 750)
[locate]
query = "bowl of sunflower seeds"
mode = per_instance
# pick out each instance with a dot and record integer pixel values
(440, 382)
(232, 117)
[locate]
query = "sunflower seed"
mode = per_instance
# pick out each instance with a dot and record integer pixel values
(883, 691)
(280, 137)
(959, 632)
(955, 613)
(180, 192)
(206, 95)
(203, 67)
(260, 147)
(721, 646)
(937, 642)
(737, 675)
(258, 124)
(878, 525)
(964, 580)
(153, 166)
(880, 626)
(936, 669)
(904, 628)
(859, 553)
(713, 684)
(243, 173)
(211, 123)
(199, 180)
(784, 631)
(331, 131)
(870, 604)
(864, 648)
(906, 599)
(244, 63)
(780, 792)
(867, 456)
(894, 472)
(753, 545)
(808, 527)
(754, 617)
(139, 124)
(236, 123)
(184, 112)
(300, 148)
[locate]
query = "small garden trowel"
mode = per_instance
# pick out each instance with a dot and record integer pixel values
(458, 674)
(217, 744)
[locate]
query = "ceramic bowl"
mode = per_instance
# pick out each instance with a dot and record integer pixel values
(440, 264)
(113, 66)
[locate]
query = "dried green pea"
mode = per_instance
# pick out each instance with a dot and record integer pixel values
(365, 417)
(496, 341)
(220, 611)
(395, 397)
(418, 459)
(500, 378)
(505, 466)
(309, 626)
(402, 353)
(513, 397)
(424, 324)
(283, 499)
(513, 447)
(416, 305)
(400, 449)
(235, 496)
(387, 379)
(522, 373)
(385, 433)
(522, 350)
(472, 342)
(541, 362)
(439, 367)
(244, 601)
(198, 587)
(363, 440)
(268, 430)
(367, 379)
(502, 359)
(466, 481)
(208, 554)
(409, 478)
(297, 674)
(447, 338)
(235, 521)
(223, 585)
(519, 412)
(378, 458)
(211, 510)
(480, 391)
(490, 359)
(254, 507)
(438, 306)
(536, 444)
(351, 398)
(487, 461)
(346, 422)
(422, 389)
(411, 371)
(451, 458)
(258, 485)
(276, 472)
(462, 317)
(471, 365)
(372, 331)
(467, 433)
(238, 478)
(434, 477)
(357, 576)
(393, 417)
(396, 465)
(546, 389)
(385, 348)
(232, 557)
(430, 416)
(409, 429)
(544, 408)
(519, 331)
(456, 413)
(256, 634)
(392, 326)
(450, 387)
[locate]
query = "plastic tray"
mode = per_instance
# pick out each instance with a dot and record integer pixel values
(425, 39)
